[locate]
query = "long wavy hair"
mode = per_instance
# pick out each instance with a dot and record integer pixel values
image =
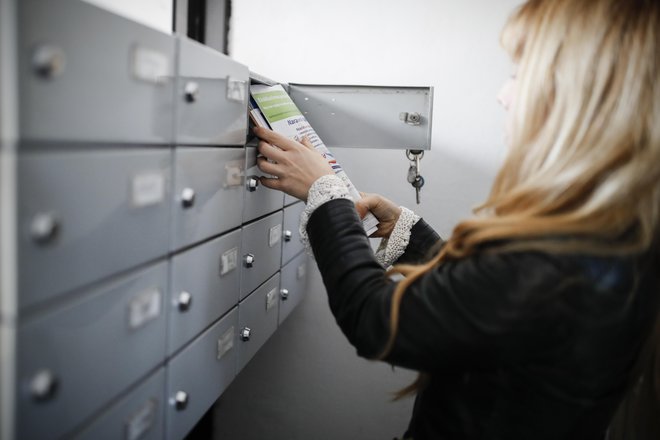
(584, 151)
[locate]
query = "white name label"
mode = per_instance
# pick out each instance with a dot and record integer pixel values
(145, 307)
(236, 89)
(271, 299)
(150, 65)
(148, 189)
(226, 342)
(141, 421)
(229, 261)
(274, 235)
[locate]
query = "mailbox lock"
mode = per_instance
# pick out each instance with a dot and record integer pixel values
(284, 293)
(249, 260)
(43, 386)
(185, 300)
(48, 61)
(180, 400)
(252, 183)
(287, 235)
(188, 197)
(245, 333)
(191, 91)
(411, 118)
(44, 228)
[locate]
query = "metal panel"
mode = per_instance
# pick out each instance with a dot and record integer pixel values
(208, 195)
(288, 200)
(257, 315)
(259, 200)
(90, 75)
(205, 284)
(368, 116)
(212, 92)
(293, 286)
(291, 244)
(86, 215)
(9, 105)
(261, 248)
(199, 374)
(140, 415)
(76, 358)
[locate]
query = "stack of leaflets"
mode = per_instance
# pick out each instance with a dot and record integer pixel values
(272, 107)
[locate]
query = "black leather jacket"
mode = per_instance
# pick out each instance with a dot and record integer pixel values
(518, 345)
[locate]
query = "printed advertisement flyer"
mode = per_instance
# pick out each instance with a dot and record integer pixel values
(272, 107)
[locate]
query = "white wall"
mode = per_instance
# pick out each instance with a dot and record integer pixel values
(307, 382)
(450, 45)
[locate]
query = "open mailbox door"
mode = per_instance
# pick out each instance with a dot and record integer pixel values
(367, 116)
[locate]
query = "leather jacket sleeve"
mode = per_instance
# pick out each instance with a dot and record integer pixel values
(423, 242)
(463, 313)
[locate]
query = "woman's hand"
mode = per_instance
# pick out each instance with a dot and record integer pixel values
(296, 165)
(383, 209)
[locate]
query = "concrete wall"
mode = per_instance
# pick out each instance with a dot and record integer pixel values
(307, 382)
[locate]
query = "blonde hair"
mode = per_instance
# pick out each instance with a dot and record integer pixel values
(584, 158)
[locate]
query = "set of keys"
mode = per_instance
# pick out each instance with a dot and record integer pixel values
(414, 177)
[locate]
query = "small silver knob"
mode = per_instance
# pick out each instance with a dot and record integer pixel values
(185, 300)
(48, 61)
(287, 235)
(188, 197)
(180, 400)
(284, 294)
(43, 385)
(191, 91)
(245, 333)
(44, 228)
(252, 183)
(249, 260)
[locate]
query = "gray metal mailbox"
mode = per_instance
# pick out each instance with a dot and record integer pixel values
(212, 94)
(205, 285)
(208, 193)
(199, 374)
(87, 74)
(261, 248)
(83, 216)
(257, 316)
(76, 358)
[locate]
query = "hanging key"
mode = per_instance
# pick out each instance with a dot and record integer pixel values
(414, 177)
(412, 173)
(418, 183)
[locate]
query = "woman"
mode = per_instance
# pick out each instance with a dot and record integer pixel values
(531, 320)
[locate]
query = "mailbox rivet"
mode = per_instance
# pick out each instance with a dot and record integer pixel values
(188, 197)
(44, 228)
(180, 400)
(43, 385)
(252, 183)
(48, 61)
(249, 260)
(191, 91)
(185, 300)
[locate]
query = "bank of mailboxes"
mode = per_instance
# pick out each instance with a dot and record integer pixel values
(152, 264)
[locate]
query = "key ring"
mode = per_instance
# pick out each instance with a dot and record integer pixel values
(410, 153)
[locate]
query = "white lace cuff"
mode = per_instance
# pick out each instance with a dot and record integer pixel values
(390, 249)
(326, 188)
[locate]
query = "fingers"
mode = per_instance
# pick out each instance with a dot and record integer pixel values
(271, 182)
(275, 138)
(268, 167)
(270, 151)
(361, 208)
(306, 142)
